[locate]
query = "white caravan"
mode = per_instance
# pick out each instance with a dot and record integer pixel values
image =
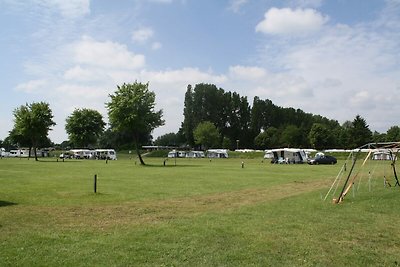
(83, 153)
(195, 154)
(106, 154)
(217, 153)
(177, 154)
(289, 156)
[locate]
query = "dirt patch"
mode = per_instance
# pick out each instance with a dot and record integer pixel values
(152, 212)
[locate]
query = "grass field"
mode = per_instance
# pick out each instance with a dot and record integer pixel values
(197, 213)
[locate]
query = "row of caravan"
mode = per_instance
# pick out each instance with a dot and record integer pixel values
(296, 155)
(23, 153)
(211, 153)
(107, 154)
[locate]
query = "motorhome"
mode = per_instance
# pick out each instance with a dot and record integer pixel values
(288, 156)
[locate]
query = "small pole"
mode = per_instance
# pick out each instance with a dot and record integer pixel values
(369, 181)
(95, 183)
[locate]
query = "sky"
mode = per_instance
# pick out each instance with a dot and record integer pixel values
(335, 58)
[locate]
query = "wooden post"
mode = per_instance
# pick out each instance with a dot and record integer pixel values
(95, 183)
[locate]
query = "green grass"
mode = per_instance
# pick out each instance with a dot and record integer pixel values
(195, 213)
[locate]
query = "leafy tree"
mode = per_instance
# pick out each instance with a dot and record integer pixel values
(320, 136)
(360, 132)
(291, 136)
(378, 137)
(131, 110)
(169, 139)
(9, 144)
(267, 139)
(84, 126)
(345, 140)
(206, 134)
(32, 123)
(393, 134)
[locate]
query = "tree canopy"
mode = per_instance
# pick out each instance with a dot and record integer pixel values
(32, 123)
(84, 126)
(132, 110)
(206, 134)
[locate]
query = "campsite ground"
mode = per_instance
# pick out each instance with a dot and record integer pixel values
(197, 213)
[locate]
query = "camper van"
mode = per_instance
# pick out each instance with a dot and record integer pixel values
(288, 156)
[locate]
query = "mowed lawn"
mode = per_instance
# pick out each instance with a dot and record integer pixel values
(195, 213)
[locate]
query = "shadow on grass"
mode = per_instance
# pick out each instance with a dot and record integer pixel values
(6, 203)
(168, 166)
(59, 161)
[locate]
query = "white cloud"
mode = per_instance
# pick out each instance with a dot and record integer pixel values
(88, 51)
(346, 70)
(235, 5)
(185, 75)
(286, 21)
(70, 8)
(162, 1)
(77, 73)
(142, 35)
(156, 46)
(246, 73)
(306, 3)
(33, 86)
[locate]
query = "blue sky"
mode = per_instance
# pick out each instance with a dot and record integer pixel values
(337, 58)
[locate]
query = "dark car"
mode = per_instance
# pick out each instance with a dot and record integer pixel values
(323, 159)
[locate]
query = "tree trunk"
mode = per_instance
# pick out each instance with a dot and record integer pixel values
(30, 152)
(138, 151)
(35, 152)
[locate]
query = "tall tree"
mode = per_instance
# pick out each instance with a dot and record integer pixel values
(188, 123)
(33, 122)
(360, 132)
(84, 127)
(132, 109)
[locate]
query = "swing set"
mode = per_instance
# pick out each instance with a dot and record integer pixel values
(377, 157)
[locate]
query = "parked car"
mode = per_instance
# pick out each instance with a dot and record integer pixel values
(322, 159)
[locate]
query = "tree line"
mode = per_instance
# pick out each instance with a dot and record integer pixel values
(213, 117)
(130, 111)
(236, 124)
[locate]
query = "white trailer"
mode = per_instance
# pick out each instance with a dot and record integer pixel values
(106, 154)
(217, 153)
(289, 156)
